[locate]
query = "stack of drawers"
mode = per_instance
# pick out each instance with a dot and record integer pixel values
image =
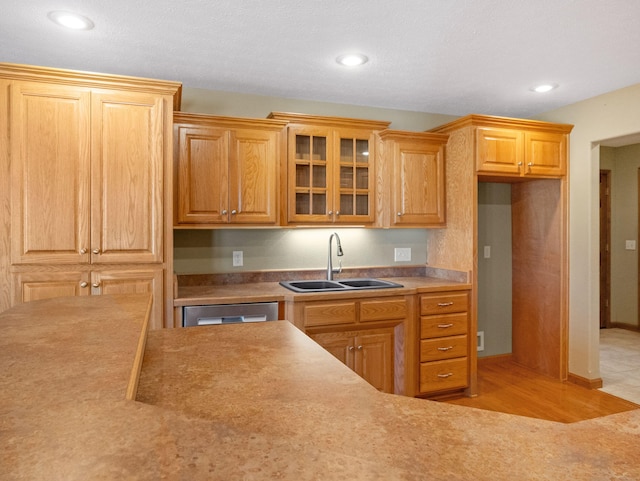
(444, 341)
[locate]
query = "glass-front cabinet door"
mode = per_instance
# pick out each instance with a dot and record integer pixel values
(354, 192)
(310, 183)
(331, 173)
(331, 176)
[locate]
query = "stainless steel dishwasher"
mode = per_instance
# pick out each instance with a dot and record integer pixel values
(229, 313)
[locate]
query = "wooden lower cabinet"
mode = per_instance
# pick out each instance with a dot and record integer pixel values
(37, 285)
(368, 334)
(369, 353)
(444, 342)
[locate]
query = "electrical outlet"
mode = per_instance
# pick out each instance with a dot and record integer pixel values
(237, 259)
(402, 254)
(487, 252)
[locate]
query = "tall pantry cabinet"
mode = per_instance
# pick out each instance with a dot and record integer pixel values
(88, 166)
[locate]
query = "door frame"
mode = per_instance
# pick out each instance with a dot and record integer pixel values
(605, 248)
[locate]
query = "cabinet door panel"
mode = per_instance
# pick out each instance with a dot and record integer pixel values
(545, 154)
(127, 178)
(419, 185)
(33, 286)
(203, 175)
(50, 173)
(253, 167)
(133, 282)
(499, 151)
(374, 359)
(339, 344)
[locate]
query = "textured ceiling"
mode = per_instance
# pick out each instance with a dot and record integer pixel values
(440, 56)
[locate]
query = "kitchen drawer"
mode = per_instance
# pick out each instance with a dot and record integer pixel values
(443, 348)
(445, 325)
(443, 375)
(329, 313)
(444, 302)
(385, 309)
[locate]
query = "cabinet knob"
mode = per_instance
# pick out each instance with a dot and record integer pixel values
(330, 212)
(351, 348)
(96, 284)
(399, 214)
(360, 348)
(520, 164)
(96, 251)
(83, 284)
(83, 251)
(337, 212)
(224, 212)
(234, 212)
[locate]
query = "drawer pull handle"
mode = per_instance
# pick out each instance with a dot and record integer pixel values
(445, 348)
(445, 304)
(445, 326)
(449, 374)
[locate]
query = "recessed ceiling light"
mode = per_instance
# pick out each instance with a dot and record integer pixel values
(352, 59)
(71, 20)
(544, 88)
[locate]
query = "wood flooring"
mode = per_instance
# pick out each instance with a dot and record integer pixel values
(506, 387)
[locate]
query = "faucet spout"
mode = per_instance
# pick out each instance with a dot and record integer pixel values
(330, 270)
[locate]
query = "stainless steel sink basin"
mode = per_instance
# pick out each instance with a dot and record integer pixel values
(338, 285)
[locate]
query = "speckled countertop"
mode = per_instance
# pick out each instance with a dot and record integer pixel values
(265, 287)
(252, 402)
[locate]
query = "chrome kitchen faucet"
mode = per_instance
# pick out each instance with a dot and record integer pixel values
(339, 253)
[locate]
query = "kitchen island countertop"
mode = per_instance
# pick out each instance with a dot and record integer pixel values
(251, 401)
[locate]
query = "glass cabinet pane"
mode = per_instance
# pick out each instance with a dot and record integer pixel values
(362, 150)
(319, 149)
(346, 204)
(320, 176)
(303, 175)
(346, 177)
(303, 147)
(362, 178)
(319, 204)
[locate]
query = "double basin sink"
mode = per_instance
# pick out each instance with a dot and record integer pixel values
(338, 285)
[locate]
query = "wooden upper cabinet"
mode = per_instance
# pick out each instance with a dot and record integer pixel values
(127, 178)
(331, 169)
(50, 173)
(88, 176)
(516, 148)
(499, 151)
(227, 170)
(414, 169)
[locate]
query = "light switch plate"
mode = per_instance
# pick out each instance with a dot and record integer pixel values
(630, 245)
(237, 259)
(402, 254)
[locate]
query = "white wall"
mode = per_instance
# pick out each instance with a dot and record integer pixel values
(604, 117)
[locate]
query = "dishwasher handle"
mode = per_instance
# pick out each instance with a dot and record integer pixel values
(207, 321)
